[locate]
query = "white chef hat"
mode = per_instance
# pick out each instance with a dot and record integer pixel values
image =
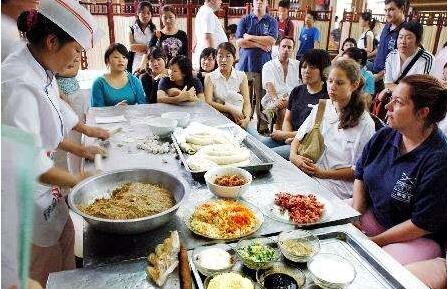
(74, 19)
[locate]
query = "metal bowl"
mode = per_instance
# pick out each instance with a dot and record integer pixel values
(103, 185)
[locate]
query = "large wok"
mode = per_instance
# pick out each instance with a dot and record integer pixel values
(103, 185)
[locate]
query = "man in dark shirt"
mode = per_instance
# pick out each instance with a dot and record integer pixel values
(256, 33)
(285, 24)
(394, 12)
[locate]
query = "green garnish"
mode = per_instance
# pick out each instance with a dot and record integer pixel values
(257, 252)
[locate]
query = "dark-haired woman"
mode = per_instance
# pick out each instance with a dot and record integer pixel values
(226, 89)
(31, 102)
(360, 56)
(155, 70)
(181, 86)
(117, 87)
(172, 40)
(140, 34)
(312, 72)
(366, 39)
(401, 178)
(208, 63)
(346, 128)
(348, 43)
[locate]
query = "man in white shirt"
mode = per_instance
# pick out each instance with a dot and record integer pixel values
(209, 32)
(279, 77)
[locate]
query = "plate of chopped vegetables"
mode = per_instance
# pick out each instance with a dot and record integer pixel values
(300, 209)
(258, 253)
(224, 219)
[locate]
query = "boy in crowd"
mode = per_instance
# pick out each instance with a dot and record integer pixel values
(309, 36)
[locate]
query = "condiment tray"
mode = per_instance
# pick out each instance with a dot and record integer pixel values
(370, 274)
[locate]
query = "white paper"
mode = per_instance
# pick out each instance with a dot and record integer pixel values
(110, 119)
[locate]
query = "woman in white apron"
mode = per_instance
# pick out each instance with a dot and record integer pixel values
(140, 34)
(31, 102)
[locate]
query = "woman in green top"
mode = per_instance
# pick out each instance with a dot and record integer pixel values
(117, 87)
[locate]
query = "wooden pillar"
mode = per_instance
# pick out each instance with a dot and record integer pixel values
(440, 23)
(225, 9)
(189, 14)
(84, 63)
(329, 30)
(110, 21)
(160, 7)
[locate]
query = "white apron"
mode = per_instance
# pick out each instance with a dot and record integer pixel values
(140, 38)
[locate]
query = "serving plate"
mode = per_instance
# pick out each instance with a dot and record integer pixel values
(277, 213)
(258, 215)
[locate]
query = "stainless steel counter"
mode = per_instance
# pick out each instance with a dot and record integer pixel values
(376, 269)
(101, 248)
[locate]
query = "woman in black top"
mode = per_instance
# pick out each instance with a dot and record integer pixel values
(312, 72)
(172, 40)
(181, 86)
(155, 70)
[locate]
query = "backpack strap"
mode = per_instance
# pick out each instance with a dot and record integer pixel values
(320, 111)
(410, 65)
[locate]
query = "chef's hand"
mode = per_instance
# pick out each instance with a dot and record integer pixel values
(89, 152)
(98, 133)
(85, 174)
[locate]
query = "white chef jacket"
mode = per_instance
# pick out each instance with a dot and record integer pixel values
(272, 72)
(140, 37)
(393, 68)
(206, 22)
(31, 102)
(343, 147)
(228, 90)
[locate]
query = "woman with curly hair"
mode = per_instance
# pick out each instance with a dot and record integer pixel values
(346, 128)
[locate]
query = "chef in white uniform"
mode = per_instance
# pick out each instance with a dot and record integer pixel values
(31, 102)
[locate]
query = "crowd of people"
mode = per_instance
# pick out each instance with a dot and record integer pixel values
(390, 166)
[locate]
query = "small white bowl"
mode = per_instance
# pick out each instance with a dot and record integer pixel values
(331, 271)
(162, 126)
(181, 117)
(227, 191)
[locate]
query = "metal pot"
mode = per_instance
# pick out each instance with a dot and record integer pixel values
(103, 185)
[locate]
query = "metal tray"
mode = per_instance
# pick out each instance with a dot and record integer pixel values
(129, 274)
(370, 274)
(260, 160)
